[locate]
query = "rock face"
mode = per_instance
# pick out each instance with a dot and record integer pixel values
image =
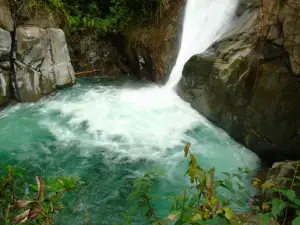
(41, 63)
(101, 55)
(147, 52)
(6, 21)
(247, 83)
(5, 47)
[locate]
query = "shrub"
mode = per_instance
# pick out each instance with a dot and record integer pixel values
(279, 203)
(206, 201)
(16, 206)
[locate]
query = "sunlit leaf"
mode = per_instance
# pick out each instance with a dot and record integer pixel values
(227, 174)
(187, 149)
(173, 215)
(228, 212)
(267, 185)
(277, 206)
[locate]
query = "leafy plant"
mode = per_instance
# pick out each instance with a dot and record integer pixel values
(19, 207)
(104, 16)
(204, 202)
(280, 202)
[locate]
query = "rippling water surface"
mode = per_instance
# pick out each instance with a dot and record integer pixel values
(108, 134)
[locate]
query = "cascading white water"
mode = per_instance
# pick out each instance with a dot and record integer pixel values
(205, 21)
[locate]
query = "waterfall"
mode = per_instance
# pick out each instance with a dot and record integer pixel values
(205, 21)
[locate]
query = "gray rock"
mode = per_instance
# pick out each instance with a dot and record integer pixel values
(63, 69)
(4, 87)
(32, 46)
(59, 48)
(47, 72)
(44, 61)
(28, 82)
(248, 91)
(6, 21)
(5, 45)
(64, 74)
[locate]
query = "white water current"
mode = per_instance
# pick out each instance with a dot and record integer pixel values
(136, 123)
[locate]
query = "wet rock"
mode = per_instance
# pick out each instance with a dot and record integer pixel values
(63, 69)
(43, 62)
(28, 82)
(246, 84)
(6, 21)
(4, 87)
(5, 45)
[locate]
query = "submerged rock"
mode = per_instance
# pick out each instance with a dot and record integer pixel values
(246, 82)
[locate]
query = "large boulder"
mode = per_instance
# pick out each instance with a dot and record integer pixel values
(32, 46)
(28, 82)
(5, 45)
(4, 87)
(63, 69)
(6, 21)
(43, 62)
(245, 83)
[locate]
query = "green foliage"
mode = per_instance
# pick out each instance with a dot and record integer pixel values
(38, 209)
(281, 200)
(107, 15)
(206, 201)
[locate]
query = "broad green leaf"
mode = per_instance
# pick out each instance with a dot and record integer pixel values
(296, 221)
(239, 176)
(239, 202)
(290, 194)
(277, 206)
(229, 186)
(19, 174)
(243, 194)
(241, 169)
(228, 212)
(241, 187)
(227, 174)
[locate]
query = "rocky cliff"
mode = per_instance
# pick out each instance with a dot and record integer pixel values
(248, 82)
(147, 52)
(39, 62)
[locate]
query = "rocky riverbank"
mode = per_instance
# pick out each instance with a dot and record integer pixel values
(39, 62)
(248, 82)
